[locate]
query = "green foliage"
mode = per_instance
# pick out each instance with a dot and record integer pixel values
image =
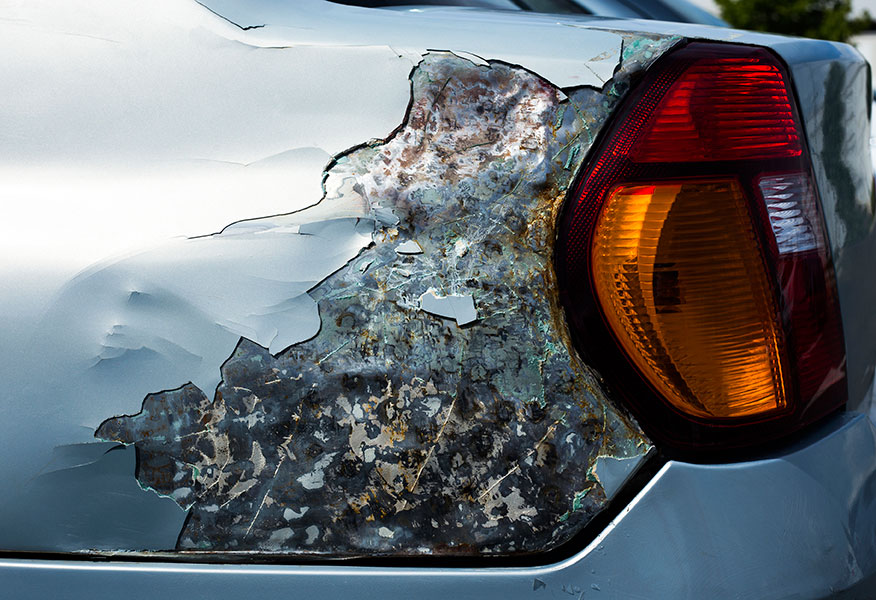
(822, 19)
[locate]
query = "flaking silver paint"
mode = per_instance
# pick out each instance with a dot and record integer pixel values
(457, 437)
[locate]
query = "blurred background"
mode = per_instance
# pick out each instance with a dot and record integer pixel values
(840, 20)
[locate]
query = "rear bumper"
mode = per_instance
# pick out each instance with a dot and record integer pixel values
(800, 525)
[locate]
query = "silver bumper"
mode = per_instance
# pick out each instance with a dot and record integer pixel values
(799, 525)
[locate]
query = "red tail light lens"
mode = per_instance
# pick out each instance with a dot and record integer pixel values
(692, 255)
(722, 108)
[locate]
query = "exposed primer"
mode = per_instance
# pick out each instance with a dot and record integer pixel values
(393, 431)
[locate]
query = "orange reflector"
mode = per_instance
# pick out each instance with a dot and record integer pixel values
(679, 276)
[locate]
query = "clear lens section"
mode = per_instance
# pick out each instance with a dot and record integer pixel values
(679, 275)
(788, 200)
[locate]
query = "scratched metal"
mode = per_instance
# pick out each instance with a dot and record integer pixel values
(396, 431)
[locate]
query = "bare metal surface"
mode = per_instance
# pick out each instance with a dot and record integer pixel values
(798, 525)
(395, 430)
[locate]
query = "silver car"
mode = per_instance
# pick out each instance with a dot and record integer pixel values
(317, 300)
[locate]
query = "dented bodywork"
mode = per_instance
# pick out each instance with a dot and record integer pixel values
(385, 371)
(440, 406)
(396, 373)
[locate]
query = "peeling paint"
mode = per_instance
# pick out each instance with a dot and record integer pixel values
(89, 501)
(409, 247)
(611, 472)
(459, 440)
(574, 60)
(474, 58)
(457, 307)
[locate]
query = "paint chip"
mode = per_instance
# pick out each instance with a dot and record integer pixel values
(409, 247)
(312, 533)
(290, 514)
(613, 472)
(455, 306)
(474, 58)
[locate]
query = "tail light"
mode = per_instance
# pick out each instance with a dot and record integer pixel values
(692, 258)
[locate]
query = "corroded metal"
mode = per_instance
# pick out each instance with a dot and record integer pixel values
(394, 430)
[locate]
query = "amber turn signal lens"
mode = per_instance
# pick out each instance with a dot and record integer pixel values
(692, 258)
(680, 279)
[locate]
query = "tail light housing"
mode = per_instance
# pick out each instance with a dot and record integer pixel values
(692, 258)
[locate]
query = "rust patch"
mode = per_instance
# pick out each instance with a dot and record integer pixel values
(395, 431)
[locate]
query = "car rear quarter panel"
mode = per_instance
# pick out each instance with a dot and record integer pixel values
(692, 518)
